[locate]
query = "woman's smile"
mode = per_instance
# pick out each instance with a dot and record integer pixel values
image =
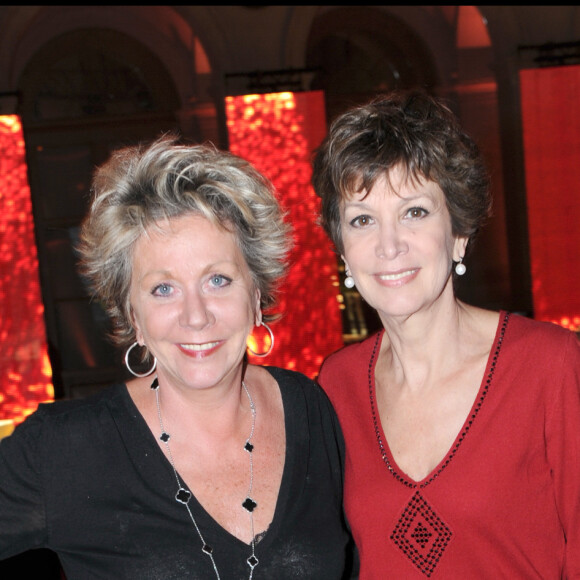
(396, 279)
(200, 350)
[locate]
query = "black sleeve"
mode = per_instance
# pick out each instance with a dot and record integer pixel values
(22, 509)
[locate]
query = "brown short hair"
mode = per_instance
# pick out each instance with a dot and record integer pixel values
(410, 129)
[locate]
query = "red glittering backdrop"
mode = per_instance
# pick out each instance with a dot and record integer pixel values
(25, 373)
(277, 133)
(551, 128)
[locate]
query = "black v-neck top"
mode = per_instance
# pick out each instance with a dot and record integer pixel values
(87, 479)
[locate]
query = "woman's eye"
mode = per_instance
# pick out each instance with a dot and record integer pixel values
(162, 290)
(218, 280)
(417, 212)
(360, 221)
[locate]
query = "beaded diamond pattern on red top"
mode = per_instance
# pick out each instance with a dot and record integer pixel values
(421, 534)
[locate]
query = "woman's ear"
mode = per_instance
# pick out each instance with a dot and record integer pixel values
(258, 308)
(138, 333)
(460, 247)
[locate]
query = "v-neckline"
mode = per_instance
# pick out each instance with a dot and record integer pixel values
(483, 390)
(140, 440)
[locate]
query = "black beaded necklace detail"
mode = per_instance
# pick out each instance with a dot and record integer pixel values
(488, 380)
(183, 495)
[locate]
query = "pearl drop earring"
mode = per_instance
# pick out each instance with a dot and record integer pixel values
(349, 280)
(460, 268)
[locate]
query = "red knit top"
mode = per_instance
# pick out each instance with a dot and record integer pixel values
(505, 501)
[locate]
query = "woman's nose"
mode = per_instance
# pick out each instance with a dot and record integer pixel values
(195, 311)
(391, 241)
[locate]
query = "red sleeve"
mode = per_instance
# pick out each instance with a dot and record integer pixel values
(563, 448)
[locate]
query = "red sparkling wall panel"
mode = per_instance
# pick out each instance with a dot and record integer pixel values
(277, 133)
(551, 129)
(25, 373)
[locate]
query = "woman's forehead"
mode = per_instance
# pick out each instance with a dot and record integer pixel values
(396, 181)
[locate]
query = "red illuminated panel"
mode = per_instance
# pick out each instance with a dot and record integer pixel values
(277, 134)
(551, 128)
(25, 373)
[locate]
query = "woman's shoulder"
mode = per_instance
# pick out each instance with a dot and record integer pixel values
(63, 427)
(100, 397)
(537, 340)
(288, 378)
(77, 410)
(352, 355)
(296, 386)
(531, 329)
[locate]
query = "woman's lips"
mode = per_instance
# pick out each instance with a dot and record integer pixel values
(397, 278)
(200, 350)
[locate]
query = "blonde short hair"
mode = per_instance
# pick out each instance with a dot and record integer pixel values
(141, 185)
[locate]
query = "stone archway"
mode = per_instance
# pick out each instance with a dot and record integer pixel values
(84, 93)
(360, 52)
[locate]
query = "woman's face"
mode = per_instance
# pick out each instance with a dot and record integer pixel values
(193, 301)
(398, 245)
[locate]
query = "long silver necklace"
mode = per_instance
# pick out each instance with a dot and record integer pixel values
(183, 495)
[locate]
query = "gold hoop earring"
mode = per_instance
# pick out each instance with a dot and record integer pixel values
(270, 348)
(140, 375)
